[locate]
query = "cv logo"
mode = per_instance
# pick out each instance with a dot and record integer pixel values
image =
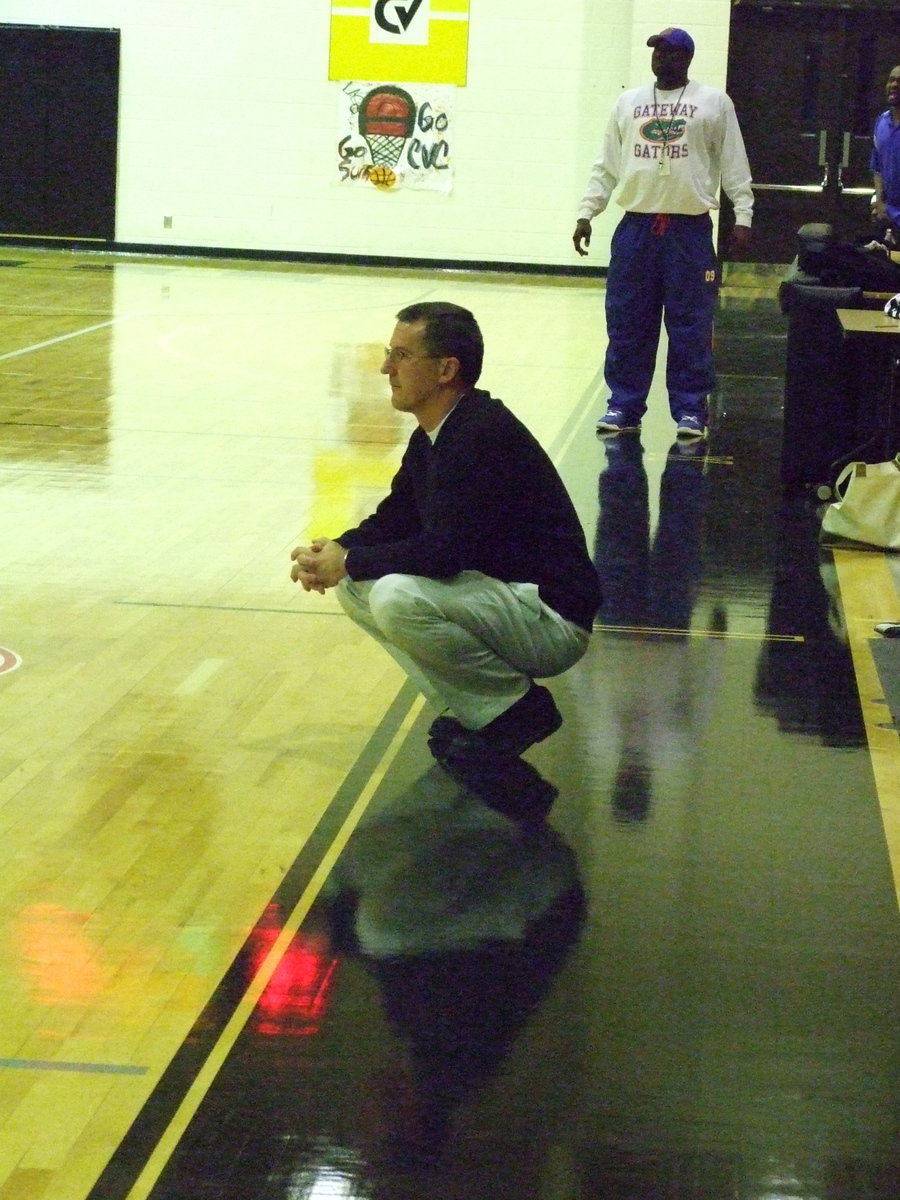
(405, 14)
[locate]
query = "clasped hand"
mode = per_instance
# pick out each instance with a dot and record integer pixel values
(318, 566)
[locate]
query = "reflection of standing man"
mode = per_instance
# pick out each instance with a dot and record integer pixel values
(649, 591)
(667, 147)
(885, 161)
(649, 586)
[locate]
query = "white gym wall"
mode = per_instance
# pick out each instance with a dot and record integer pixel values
(228, 125)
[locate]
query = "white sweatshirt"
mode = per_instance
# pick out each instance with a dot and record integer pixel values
(696, 129)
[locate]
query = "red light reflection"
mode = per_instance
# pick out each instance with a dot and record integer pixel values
(296, 997)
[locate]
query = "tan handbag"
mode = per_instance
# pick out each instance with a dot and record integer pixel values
(867, 508)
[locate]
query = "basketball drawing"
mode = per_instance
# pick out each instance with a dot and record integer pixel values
(382, 177)
(387, 117)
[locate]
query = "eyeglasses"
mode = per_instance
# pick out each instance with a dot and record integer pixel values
(396, 354)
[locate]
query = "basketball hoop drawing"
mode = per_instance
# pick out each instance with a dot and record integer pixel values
(387, 117)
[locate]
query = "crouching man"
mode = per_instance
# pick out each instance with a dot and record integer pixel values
(473, 572)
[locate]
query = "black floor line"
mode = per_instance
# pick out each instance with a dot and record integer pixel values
(141, 1140)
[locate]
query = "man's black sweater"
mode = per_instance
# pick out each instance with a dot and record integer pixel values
(484, 497)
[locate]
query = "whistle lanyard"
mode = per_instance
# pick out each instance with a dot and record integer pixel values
(664, 163)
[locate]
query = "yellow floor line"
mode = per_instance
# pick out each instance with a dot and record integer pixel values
(168, 1143)
(700, 633)
(868, 596)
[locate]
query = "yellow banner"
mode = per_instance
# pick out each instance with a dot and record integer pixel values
(406, 41)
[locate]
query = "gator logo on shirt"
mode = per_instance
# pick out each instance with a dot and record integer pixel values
(658, 132)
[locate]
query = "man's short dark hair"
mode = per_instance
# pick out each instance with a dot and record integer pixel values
(450, 332)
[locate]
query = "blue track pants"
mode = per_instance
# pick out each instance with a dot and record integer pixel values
(661, 265)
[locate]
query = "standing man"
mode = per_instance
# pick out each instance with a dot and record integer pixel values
(885, 163)
(473, 572)
(667, 148)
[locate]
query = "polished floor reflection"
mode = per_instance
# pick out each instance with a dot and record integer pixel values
(259, 946)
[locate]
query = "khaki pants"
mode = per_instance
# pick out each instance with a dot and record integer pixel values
(471, 644)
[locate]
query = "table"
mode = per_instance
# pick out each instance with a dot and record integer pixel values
(875, 323)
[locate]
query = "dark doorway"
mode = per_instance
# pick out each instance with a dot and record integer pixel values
(59, 96)
(808, 82)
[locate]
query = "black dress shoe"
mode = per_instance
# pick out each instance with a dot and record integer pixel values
(504, 782)
(443, 730)
(531, 719)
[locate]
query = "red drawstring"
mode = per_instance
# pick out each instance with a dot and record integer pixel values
(660, 225)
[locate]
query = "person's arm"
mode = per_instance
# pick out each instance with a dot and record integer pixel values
(323, 564)
(736, 179)
(423, 526)
(397, 515)
(601, 184)
(459, 488)
(879, 208)
(879, 204)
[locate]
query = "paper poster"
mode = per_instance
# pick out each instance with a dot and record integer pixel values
(394, 137)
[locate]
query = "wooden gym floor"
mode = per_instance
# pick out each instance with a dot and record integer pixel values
(256, 945)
